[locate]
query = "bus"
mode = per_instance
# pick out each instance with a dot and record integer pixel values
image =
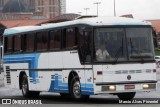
(1, 67)
(62, 58)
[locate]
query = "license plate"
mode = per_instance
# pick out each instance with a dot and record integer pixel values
(127, 87)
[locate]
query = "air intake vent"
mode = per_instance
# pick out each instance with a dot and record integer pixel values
(8, 75)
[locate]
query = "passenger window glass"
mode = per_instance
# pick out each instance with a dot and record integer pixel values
(41, 41)
(29, 42)
(8, 44)
(17, 44)
(70, 38)
(84, 35)
(55, 39)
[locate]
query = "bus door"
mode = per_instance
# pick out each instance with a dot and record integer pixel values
(85, 54)
(1, 64)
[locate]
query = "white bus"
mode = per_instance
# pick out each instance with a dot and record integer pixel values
(1, 53)
(66, 58)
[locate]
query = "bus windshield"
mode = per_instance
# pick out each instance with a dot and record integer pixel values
(123, 44)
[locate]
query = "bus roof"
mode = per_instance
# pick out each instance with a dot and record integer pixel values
(94, 21)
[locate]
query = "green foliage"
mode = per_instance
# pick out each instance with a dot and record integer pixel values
(157, 52)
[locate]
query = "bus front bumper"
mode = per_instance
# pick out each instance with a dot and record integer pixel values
(129, 86)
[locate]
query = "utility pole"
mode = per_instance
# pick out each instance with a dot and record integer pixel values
(114, 8)
(97, 3)
(86, 10)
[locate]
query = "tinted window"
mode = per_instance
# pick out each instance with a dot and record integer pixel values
(17, 44)
(70, 39)
(55, 39)
(41, 41)
(29, 42)
(8, 44)
(84, 35)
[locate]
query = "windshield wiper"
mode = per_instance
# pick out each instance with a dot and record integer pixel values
(117, 53)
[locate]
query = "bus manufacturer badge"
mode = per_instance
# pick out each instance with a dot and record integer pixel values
(129, 77)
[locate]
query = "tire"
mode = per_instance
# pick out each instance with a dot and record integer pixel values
(25, 89)
(75, 90)
(126, 96)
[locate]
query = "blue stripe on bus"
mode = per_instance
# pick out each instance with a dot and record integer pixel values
(86, 85)
(31, 59)
(87, 93)
(58, 86)
(86, 88)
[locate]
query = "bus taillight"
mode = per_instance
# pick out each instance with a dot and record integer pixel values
(99, 72)
(154, 70)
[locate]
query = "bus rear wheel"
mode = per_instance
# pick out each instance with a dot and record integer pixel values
(25, 89)
(75, 90)
(126, 96)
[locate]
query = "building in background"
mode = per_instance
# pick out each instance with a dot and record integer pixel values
(31, 9)
(51, 8)
(4, 24)
(156, 26)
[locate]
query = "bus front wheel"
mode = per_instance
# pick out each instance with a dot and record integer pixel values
(126, 96)
(25, 88)
(75, 89)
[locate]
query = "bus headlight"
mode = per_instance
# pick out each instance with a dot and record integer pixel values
(145, 86)
(149, 86)
(112, 88)
(109, 88)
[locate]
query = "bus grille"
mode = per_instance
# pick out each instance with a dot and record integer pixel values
(8, 75)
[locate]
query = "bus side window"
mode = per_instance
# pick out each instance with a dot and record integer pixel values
(28, 42)
(70, 38)
(55, 39)
(17, 44)
(41, 41)
(8, 44)
(85, 44)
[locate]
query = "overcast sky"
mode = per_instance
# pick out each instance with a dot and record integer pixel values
(140, 9)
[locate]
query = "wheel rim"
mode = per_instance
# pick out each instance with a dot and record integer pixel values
(76, 89)
(24, 86)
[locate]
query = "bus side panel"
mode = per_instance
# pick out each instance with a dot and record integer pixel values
(55, 60)
(49, 73)
(12, 74)
(87, 88)
(59, 80)
(71, 60)
(45, 81)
